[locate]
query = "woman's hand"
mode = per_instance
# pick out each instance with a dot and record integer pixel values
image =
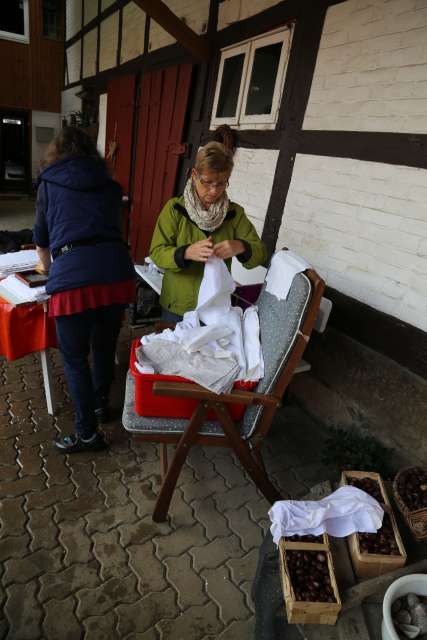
(199, 251)
(44, 260)
(228, 249)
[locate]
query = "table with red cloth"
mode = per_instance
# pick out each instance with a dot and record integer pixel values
(25, 329)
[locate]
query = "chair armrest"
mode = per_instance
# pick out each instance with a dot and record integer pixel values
(188, 390)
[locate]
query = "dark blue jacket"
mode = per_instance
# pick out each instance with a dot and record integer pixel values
(77, 201)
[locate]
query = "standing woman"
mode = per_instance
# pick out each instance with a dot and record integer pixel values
(201, 223)
(91, 277)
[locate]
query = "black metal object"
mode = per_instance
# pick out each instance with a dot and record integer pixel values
(146, 308)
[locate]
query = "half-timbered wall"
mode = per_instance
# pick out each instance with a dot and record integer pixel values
(364, 224)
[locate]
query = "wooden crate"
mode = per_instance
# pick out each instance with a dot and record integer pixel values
(371, 565)
(304, 612)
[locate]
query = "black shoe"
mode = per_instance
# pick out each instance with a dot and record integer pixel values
(74, 444)
(103, 415)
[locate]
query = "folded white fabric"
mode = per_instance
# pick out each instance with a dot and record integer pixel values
(346, 510)
(283, 268)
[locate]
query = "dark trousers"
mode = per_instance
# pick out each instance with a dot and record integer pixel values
(170, 316)
(96, 331)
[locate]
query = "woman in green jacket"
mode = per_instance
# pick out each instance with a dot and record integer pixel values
(199, 224)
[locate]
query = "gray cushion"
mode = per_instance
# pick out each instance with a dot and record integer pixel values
(280, 321)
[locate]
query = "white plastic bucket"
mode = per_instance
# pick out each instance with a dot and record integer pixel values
(414, 583)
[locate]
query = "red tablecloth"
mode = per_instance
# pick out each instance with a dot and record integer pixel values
(24, 329)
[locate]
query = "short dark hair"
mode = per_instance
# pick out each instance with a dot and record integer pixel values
(69, 142)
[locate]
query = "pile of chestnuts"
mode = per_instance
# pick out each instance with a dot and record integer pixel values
(412, 488)
(309, 575)
(409, 615)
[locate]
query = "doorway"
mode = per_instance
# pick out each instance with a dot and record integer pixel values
(14, 151)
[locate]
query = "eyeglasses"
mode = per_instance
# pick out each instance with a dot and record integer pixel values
(207, 184)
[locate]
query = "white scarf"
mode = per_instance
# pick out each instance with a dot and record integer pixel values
(206, 219)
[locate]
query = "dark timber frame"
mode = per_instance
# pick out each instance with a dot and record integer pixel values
(288, 138)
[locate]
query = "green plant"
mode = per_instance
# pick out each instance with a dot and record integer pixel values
(79, 119)
(357, 450)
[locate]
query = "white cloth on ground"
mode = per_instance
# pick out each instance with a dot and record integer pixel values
(346, 510)
(199, 349)
(284, 266)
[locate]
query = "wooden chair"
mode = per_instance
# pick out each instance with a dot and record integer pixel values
(285, 328)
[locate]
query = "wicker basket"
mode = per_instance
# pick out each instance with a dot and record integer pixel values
(416, 520)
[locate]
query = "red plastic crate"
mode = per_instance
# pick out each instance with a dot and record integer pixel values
(150, 405)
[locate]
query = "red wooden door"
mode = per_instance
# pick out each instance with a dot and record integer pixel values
(163, 104)
(118, 135)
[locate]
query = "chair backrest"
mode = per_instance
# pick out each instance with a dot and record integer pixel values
(285, 327)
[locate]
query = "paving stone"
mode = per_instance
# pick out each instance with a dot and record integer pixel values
(9, 429)
(14, 547)
(106, 464)
(246, 587)
(216, 553)
(232, 474)
(103, 598)
(60, 620)
(244, 568)
(56, 470)
(136, 472)
(187, 583)
(101, 627)
(236, 497)
(227, 596)
(144, 497)
(85, 482)
(204, 488)
(309, 474)
(12, 517)
(213, 521)
(20, 410)
(22, 570)
(193, 624)
(52, 495)
(43, 529)
(201, 465)
(22, 599)
(75, 541)
(8, 472)
(111, 518)
(78, 507)
(62, 584)
(30, 461)
(144, 613)
(239, 630)
(12, 388)
(258, 510)
(7, 451)
(110, 555)
(180, 512)
(22, 486)
(144, 451)
(147, 567)
(141, 531)
(179, 541)
(4, 627)
(113, 488)
(151, 634)
(250, 534)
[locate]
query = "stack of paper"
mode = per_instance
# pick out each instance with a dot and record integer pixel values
(17, 261)
(16, 292)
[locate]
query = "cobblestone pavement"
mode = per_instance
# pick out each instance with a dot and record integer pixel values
(79, 554)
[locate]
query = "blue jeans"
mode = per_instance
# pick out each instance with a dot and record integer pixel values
(94, 330)
(170, 316)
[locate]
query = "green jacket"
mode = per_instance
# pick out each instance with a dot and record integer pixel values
(175, 231)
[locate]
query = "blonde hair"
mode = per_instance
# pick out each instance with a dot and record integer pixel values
(214, 157)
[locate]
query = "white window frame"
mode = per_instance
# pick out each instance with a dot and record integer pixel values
(17, 37)
(249, 47)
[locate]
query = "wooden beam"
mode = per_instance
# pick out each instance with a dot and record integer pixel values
(187, 38)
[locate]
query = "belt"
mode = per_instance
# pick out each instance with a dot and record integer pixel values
(60, 251)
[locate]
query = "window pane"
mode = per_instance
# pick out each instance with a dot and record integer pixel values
(12, 17)
(230, 86)
(263, 79)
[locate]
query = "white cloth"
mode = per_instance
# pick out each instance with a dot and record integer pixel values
(284, 266)
(346, 510)
(17, 292)
(213, 355)
(18, 261)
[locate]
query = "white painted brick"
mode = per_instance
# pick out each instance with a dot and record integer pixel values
(341, 217)
(108, 42)
(379, 45)
(73, 54)
(133, 32)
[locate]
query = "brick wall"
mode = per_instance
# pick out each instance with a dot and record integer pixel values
(363, 225)
(371, 72)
